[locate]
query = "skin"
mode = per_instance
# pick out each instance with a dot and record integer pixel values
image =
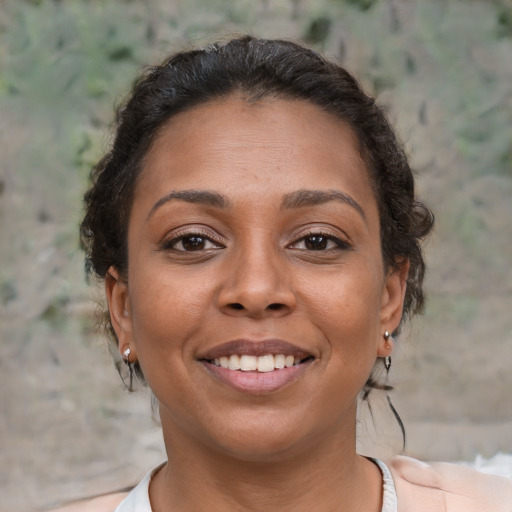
(258, 276)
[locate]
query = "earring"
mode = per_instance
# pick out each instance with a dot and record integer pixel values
(126, 359)
(387, 337)
(387, 365)
(387, 359)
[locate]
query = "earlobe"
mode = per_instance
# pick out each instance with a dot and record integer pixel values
(119, 308)
(392, 304)
(386, 345)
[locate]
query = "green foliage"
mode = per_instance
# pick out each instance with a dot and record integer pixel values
(62, 54)
(54, 313)
(460, 310)
(318, 30)
(8, 291)
(468, 226)
(504, 20)
(362, 5)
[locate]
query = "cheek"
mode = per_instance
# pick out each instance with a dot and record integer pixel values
(166, 313)
(346, 300)
(167, 309)
(346, 310)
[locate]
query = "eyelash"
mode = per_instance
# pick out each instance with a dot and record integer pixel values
(340, 244)
(170, 244)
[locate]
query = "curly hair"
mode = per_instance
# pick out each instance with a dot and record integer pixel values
(256, 68)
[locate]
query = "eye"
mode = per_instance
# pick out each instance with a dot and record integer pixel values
(319, 242)
(191, 242)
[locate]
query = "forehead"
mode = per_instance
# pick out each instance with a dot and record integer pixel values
(271, 146)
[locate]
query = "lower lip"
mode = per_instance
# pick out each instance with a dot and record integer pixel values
(257, 383)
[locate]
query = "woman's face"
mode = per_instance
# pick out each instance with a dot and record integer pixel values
(254, 241)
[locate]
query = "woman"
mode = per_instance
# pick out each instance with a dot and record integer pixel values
(256, 227)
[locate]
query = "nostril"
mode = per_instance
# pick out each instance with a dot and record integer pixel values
(275, 306)
(236, 305)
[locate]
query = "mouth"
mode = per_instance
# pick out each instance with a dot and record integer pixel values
(257, 367)
(261, 364)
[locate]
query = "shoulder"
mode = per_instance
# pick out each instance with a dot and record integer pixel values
(443, 487)
(106, 503)
(136, 500)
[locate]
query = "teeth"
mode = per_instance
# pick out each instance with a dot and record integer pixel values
(234, 362)
(247, 363)
(265, 363)
(279, 361)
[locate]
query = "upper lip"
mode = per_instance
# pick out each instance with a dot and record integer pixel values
(255, 348)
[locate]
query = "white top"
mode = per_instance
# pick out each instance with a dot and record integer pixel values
(389, 501)
(138, 499)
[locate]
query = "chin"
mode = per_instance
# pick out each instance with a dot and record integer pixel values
(266, 440)
(262, 449)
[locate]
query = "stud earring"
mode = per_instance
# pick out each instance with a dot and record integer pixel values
(126, 359)
(387, 337)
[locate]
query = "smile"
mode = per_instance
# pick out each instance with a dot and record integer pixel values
(262, 364)
(256, 367)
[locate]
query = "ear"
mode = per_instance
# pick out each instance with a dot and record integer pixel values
(392, 302)
(119, 308)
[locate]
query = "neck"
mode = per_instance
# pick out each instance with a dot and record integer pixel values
(327, 475)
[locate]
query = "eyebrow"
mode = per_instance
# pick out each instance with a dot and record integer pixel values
(303, 198)
(204, 197)
(297, 199)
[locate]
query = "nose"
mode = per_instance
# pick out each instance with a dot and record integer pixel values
(257, 285)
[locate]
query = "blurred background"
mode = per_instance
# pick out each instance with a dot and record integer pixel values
(442, 68)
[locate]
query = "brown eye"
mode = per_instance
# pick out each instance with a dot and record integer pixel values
(316, 242)
(193, 243)
(320, 242)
